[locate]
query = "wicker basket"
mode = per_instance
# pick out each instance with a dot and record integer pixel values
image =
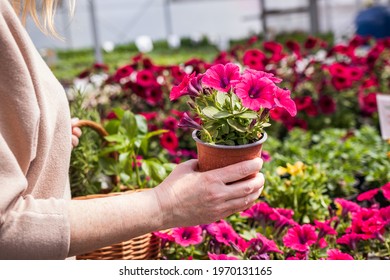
(144, 247)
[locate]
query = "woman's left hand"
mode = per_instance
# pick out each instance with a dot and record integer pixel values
(76, 132)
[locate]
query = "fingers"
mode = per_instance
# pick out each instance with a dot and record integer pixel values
(244, 188)
(241, 203)
(76, 132)
(238, 171)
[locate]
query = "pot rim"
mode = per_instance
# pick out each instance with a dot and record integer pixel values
(261, 141)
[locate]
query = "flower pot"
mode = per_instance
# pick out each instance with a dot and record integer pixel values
(216, 156)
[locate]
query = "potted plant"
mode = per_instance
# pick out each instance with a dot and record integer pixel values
(232, 109)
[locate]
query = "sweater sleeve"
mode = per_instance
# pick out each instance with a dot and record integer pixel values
(30, 227)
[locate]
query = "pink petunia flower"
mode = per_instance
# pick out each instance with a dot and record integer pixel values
(386, 191)
(351, 239)
(186, 236)
(221, 257)
(300, 238)
(367, 195)
(335, 254)
(283, 100)
(220, 76)
(346, 206)
(169, 141)
(262, 245)
(224, 233)
(182, 88)
(255, 93)
(259, 212)
(324, 229)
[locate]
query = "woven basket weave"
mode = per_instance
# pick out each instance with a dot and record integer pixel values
(144, 247)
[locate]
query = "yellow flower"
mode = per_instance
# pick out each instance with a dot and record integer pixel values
(296, 169)
(388, 154)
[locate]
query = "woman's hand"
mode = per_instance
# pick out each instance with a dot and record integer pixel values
(187, 197)
(76, 132)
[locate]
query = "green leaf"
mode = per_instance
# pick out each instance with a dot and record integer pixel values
(236, 125)
(129, 123)
(221, 115)
(119, 112)
(210, 111)
(112, 126)
(108, 165)
(248, 115)
(154, 169)
(141, 124)
(115, 138)
(221, 98)
(146, 138)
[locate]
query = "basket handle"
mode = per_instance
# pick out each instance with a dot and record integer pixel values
(102, 132)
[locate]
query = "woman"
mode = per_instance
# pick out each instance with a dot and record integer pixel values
(38, 220)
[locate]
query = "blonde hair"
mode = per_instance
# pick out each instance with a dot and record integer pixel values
(43, 19)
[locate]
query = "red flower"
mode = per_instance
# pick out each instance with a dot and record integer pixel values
(169, 141)
(327, 104)
(170, 123)
(123, 72)
(367, 195)
(254, 59)
(220, 76)
(146, 78)
(368, 103)
(311, 43)
(154, 95)
(275, 49)
(312, 110)
(294, 47)
(303, 102)
(186, 236)
(300, 238)
(335, 254)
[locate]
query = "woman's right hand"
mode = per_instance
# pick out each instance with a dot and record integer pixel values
(188, 197)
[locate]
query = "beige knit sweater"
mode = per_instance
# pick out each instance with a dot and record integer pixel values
(35, 147)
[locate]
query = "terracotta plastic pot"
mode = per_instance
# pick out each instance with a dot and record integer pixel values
(216, 156)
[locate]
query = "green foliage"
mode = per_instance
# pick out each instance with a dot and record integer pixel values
(85, 171)
(226, 121)
(302, 188)
(131, 154)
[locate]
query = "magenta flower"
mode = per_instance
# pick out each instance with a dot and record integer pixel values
(368, 195)
(220, 76)
(224, 233)
(346, 206)
(186, 236)
(300, 238)
(184, 87)
(187, 122)
(351, 239)
(262, 74)
(283, 100)
(386, 191)
(335, 254)
(255, 93)
(259, 247)
(221, 257)
(259, 212)
(368, 221)
(324, 229)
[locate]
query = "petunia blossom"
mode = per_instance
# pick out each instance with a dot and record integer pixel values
(221, 257)
(386, 191)
(368, 195)
(335, 254)
(186, 236)
(220, 76)
(261, 246)
(300, 238)
(282, 99)
(255, 93)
